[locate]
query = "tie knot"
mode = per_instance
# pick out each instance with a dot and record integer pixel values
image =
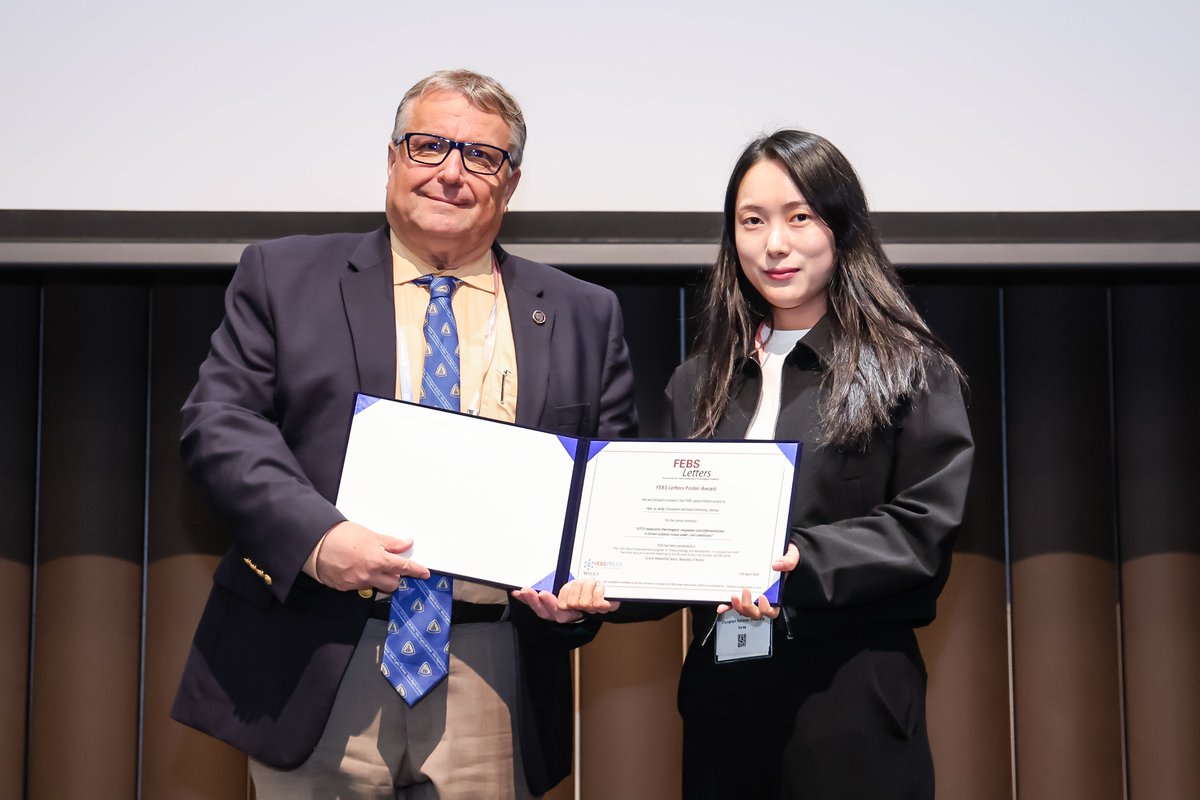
(439, 285)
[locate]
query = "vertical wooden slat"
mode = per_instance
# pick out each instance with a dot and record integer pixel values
(631, 735)
(966, 648)
(19, 316)
(1157, 388)
(1064, 580)
(632, 739)
(185, 542)
(84, 722)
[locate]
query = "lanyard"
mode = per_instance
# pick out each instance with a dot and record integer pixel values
(489, 349)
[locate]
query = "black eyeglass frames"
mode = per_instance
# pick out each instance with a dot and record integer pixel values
(482, 159)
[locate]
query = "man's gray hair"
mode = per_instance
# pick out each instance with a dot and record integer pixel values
(484, 93)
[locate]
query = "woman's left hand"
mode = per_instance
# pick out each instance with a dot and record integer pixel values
(746, 606)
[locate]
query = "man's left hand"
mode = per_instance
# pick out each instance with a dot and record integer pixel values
(545, 605)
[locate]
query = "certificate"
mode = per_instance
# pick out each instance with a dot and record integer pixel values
(480, 499)
(681, 521)
(694, 520)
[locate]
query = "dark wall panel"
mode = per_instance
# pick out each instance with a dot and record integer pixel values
(1156, 331)
(1064, 579)
(19, 321)
(184, 543)
(653, 332)
(89, 592)
(966, 648)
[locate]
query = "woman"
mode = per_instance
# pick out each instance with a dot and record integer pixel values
(806, 333)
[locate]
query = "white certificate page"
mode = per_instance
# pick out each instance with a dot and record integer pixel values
(481, 499)
(693, 521)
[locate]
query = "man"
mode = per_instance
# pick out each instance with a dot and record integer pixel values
(286, 663)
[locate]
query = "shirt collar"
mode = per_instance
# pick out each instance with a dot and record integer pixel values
(407, 267)
(818, 341)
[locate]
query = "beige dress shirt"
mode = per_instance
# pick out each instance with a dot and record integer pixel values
(488, 357)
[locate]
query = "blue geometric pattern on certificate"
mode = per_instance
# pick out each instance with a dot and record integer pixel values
(416, 650)
(790, 450)
(364, 401)
(594, 448)
(546, 584)
(569, 444)
(772, 593)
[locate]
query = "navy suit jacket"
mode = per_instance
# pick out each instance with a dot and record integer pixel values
(310, 322)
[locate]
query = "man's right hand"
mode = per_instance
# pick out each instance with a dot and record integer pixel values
(353, 557)
(586, 595)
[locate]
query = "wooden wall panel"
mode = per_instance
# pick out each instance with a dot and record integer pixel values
(1156, 330)
(1161, 624)
(631, 736)
(19, 322)
(84, 721)
(1064, 579)
(185, 542)
(1069, 630)
(966, 648)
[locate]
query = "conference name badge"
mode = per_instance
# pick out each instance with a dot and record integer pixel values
(739, 638)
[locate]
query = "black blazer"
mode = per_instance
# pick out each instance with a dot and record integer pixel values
(309, 322)
(875, 527)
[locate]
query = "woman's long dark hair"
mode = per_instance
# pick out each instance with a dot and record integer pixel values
(882, 349)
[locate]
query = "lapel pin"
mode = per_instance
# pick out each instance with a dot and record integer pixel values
(539, 317)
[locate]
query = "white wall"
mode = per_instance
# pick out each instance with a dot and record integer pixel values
(942, 105)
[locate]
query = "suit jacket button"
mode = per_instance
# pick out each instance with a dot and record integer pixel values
(366, 594)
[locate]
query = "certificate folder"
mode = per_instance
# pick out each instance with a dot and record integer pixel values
(679, 521)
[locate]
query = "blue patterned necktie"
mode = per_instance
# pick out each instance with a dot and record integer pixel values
(416, 651)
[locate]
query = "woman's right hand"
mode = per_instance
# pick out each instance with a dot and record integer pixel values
(762, 608)
(586, 595)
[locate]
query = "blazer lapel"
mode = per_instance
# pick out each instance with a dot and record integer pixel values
(526, 305)
(371, 313)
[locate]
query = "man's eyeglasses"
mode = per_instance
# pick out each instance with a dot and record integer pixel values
(482, 159)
